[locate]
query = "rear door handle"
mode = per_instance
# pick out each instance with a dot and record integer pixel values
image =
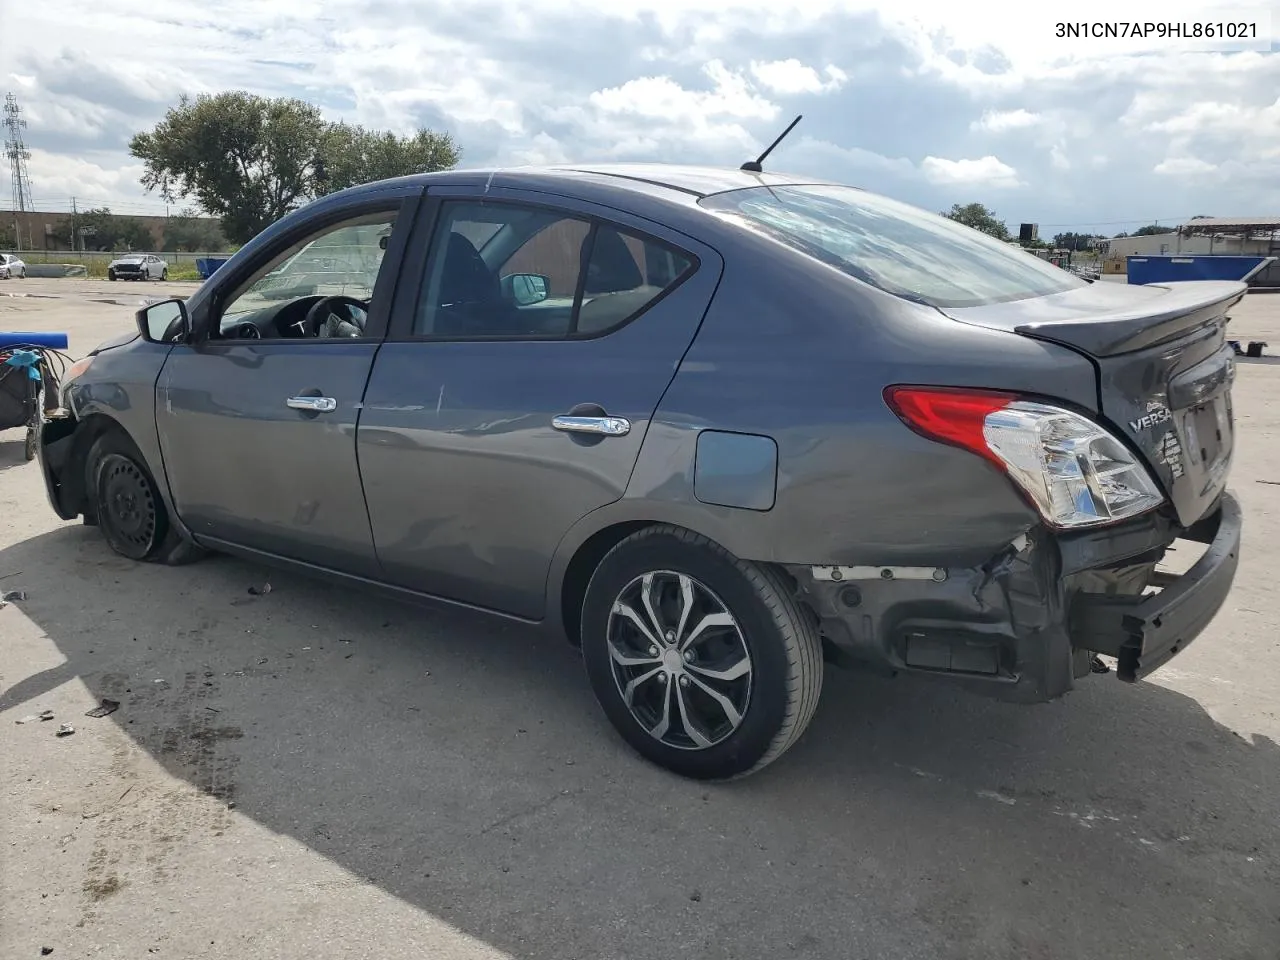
(599, 426)
(312, 404)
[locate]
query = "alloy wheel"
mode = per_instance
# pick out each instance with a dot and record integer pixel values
(680, 660)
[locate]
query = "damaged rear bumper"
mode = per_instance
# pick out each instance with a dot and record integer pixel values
(1145, 632)
(1025, 625)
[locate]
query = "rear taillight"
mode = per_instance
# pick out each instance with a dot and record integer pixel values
(1074, 471)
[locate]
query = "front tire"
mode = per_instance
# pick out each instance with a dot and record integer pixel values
(127, 507)
(704, 663)
(164, 275)
(111, 275)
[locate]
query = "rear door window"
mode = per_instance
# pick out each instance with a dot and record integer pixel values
(893, 246)
(509, 271)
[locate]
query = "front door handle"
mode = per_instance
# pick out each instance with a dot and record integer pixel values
(599, 426)
(312, 404)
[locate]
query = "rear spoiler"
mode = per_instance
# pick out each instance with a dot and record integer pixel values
(1183, 307)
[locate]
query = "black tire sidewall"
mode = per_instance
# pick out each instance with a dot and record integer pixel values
(767, 708)
(109, 444)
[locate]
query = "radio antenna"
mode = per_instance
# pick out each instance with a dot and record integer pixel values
(757, 165)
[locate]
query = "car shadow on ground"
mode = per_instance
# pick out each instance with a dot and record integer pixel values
(12, 449)
(462, 766)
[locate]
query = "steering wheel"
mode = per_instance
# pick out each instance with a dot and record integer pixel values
(323, 309)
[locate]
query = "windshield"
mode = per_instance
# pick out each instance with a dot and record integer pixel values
(898, 248)
(343, 261)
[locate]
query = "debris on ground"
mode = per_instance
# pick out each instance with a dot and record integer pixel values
(65, 730)
(1098, 665)
(45, 951)
(104, 708)
(261, 591)
(1253, 350)
(33, 717)
(11, 596)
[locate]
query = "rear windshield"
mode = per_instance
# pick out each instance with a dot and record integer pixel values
(898, 248)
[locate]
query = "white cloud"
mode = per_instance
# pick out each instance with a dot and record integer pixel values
(917, 82)
(792, 77)
(663, 98)
(1183, 167)
(998, 121)
(987, 171)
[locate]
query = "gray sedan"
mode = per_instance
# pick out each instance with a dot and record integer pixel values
(718, 428)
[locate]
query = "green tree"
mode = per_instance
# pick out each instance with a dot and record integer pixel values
(246, 159)
(249, 160)
(1151, 229)
(980, 218)
(100, 229)
(192, 233)
(353, 155)
(1074, 241)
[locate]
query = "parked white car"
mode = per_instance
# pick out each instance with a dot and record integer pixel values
(138, 266)
(11, 266)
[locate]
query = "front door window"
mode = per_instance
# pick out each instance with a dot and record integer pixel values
(320, 287)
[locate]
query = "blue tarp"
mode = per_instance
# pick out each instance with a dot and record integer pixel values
(1169, 269)
(25, 358)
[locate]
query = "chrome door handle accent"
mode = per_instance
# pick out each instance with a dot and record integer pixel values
(312, 404)
(601, 426)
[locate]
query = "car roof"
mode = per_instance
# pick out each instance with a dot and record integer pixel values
(679, 182)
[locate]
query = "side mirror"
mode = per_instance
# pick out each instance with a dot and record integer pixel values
(164, 322)
(526, 289)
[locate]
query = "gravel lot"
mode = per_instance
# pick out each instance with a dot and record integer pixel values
(312, 774)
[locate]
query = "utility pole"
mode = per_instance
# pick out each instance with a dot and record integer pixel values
(75, 226)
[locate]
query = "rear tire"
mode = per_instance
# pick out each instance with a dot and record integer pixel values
(718, 674)
(127, 506)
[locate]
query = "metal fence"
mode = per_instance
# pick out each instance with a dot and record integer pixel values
(91, 258)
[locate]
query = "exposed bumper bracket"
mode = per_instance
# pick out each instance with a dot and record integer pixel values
(1145, 632)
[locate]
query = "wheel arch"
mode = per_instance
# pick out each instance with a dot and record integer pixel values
(587, 542)
(75, 498)
(71, 474)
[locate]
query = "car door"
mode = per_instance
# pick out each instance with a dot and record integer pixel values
(257, 421)
(518, 380)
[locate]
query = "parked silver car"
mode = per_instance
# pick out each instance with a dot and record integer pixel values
(138, 266)
(12, 267)
(719, 428)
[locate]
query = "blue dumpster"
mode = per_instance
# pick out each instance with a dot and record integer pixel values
(1169, 269)
(205, 266)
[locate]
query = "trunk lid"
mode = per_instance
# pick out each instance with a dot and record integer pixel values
(1164, 371)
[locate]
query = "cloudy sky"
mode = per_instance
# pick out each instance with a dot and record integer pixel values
(933, 103)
